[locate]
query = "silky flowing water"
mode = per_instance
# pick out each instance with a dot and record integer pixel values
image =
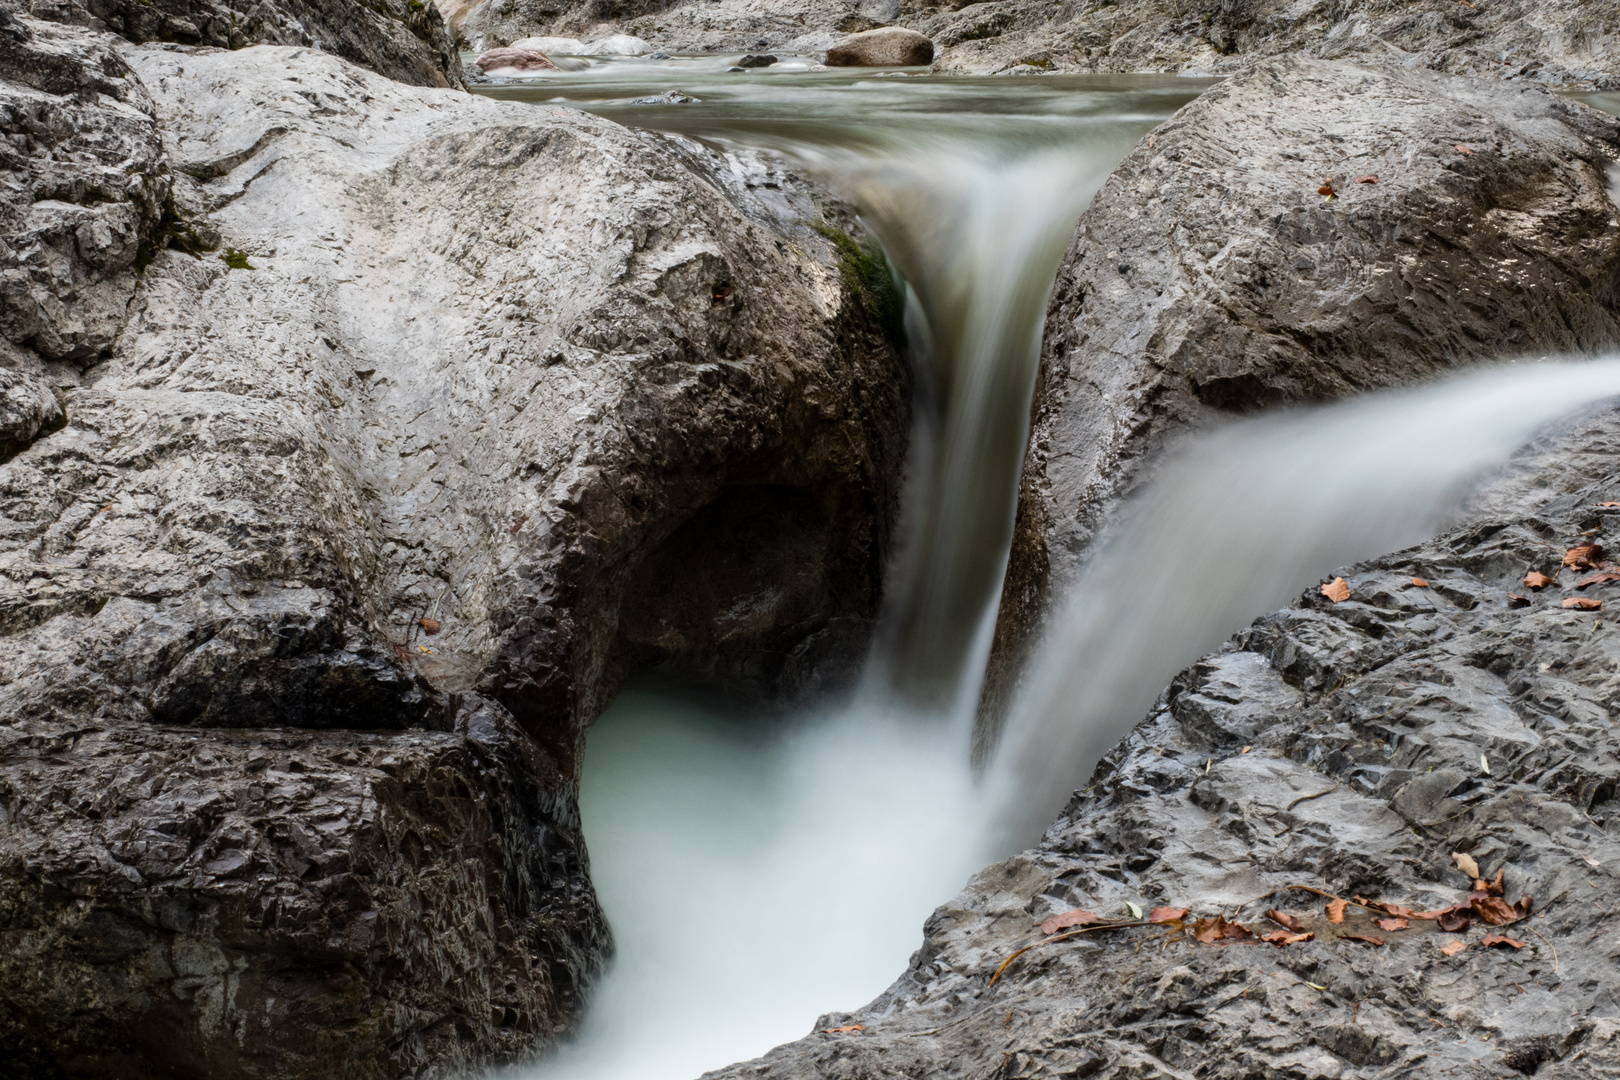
(759, 872)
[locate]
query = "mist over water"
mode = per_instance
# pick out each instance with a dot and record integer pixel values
(759, 872)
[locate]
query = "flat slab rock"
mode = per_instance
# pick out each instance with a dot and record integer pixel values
(1350, 747)
(1210, 276)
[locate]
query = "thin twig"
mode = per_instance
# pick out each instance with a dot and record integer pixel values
(1063, 937)
(1550, 945)
(1308, 798)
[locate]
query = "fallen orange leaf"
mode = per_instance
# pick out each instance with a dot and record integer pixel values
(1371, 179)
(1453, 948)
(1463, 149)
(1337, 590)
(1598, 579)
(1069, 918)
(1420, 583)
(1210, 931)
(1285, 920)
(1280, 938)
(429, 626)
(1582, 603)
(1609, 504)
(1393, 924)
(1494, 910)
(1535, 579)
(845, 1030)
(1335, 911)
(1515, 600)
(1167, 914)
(1498, 939)
(1583, 556)
(1371, 939)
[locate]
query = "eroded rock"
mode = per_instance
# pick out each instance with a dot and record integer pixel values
(514, 60)
(1210, 276)
(1351, 748)
(476, 364)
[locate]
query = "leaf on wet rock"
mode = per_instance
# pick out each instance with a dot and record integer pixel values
(1582, 603)
(1461, 149)
(1535, 579)
(429, 626)
(1335, 911)
(1370, 939)
(1167, 914)
(1589, 861)
(1609, 504)
(1210, 931)
(1136, 912)
(1495, 888)
(1076, 917)
(1598, 579)
(845, 1030)
(1515, 600)
(1584, 556)
(1393, 924)
(1454, 947)
(1368, 179)
(1465, 862)
(1421, 583)
(1493, 909)
(1281, 938)
(1337, 590)
(1498, 939)
(1285, 920)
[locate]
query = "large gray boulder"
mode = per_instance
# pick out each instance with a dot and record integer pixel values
(402, 39)
(1351, 748)
(481, 408)
(1210, 276)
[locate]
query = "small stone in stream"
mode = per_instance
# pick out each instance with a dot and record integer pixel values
(757, 60)
(514, 60)
(660, 55)
(668, 97)
(890, 46)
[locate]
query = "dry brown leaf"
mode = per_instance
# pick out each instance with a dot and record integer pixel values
(1420, 583)
(1515, 600)
(1210, 931)
(1335, 911)
(1465, 862)
(1369, 179)
(1598, 579)
(429, 626)
(1582, 603)
(1535, 579)
(1167, 914)
(1493, 909)
(1495, 888)
(1285, 920)
(1371, 939)
(1399, 911)
(1454, 947)
(1393, 924)
(1583, 556)
(1609, 504)
(1337, 590)
(1498, 939)
(1076, 917)
(1589, 861)
(1281, 938)
(845, 1030)
(1327, 189)
(1461, 149)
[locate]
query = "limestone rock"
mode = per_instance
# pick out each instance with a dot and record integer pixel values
(1209, 275)
(1357, 773)
(402, 39)
(485, 363)
(514, 60)
(889, 46)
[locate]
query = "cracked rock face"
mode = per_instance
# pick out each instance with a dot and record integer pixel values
(402, 39)
(309, 605)
(1210, 276)
(1348, 747)
(83, 183)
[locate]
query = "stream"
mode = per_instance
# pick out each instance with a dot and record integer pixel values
(762, 872)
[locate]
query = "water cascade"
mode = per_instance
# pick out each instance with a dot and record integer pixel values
(758, 875)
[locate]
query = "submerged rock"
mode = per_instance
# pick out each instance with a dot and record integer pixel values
(1352, 748)
(402, 39)
(889, 46)
(1466, 221)
(495, 370)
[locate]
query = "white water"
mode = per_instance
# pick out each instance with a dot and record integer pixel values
(758, 875)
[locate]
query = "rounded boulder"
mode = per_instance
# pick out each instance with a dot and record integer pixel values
(889, 46)
(509, 59)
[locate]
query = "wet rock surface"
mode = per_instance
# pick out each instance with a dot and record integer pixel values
(890, 46)
(402, 39)
(1349, 747)
(1212, 276)
(309, 604)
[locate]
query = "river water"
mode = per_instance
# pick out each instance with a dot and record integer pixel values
(759, 873)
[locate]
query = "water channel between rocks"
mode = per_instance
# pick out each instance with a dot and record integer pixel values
(758, 874)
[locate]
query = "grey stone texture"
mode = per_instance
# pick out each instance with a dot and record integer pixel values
(353, 526)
